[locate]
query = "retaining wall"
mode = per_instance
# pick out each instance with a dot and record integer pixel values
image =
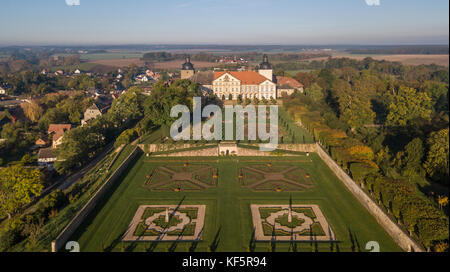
(399, 236)
(151, 148)
(293, 147)
(68, 231)
(206, 152)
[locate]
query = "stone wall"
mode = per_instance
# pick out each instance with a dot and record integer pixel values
(293, 147)
(249, 152)
(399, 236)
(151, 148)
(206, 152)
(68, 231)
(212, 150)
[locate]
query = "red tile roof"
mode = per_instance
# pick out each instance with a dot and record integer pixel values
(59, 130)
(288, 81)
(246, 77)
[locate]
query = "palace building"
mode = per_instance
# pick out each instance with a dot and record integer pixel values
(246, 84)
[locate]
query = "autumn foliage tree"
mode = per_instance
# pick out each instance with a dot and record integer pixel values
(408, 106)
(17, 187)
(32, 111)
(437, 164)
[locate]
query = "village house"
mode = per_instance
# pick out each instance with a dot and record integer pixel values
(91, 113)
(47, 158)
(58, 130)
(287, 86)
(42, 142)
(59, 73)
(6, 117)
(142, 78)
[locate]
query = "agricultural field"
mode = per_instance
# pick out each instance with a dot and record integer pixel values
(176, 64)
(297, 192)
(416, 59)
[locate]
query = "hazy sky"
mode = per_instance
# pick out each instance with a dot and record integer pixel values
(49, 22)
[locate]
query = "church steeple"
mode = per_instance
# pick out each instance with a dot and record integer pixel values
(187, 65)
(187, 69)
(265, 69)
(265, 65)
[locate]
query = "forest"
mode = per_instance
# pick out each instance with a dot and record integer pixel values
(386, 125)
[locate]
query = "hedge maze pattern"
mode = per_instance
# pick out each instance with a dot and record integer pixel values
(260, 177)
(196, 177)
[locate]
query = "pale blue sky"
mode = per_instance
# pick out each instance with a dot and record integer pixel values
(50, 22)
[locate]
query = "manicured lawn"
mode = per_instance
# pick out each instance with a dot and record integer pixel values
(228, 222)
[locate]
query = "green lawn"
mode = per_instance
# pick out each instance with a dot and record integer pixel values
(228, 221)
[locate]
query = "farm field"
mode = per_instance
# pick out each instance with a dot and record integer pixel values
(227, 187)
(126, 61)
(404, 59)
(176, 64)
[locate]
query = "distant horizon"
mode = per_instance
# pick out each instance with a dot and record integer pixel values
(223, 44)
(255, 22)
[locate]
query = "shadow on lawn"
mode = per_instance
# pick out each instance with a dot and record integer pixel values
(194, 244)
(215, 242)
(114, 243)
(354, 241)
(252, 244)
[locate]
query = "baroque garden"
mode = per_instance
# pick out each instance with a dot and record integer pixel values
(227, 197)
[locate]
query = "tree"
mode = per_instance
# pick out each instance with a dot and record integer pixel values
(408, 106)
(17, 185)
(413, 157)
(79, 144)
(26, 159)
(128, 106)
(315, 92)
(442, 201)
(126, 137)
(358, 114)
(305, 78)
(239, 99)
(52, 116)
(32, 111)
(159, 104)
(436, 163)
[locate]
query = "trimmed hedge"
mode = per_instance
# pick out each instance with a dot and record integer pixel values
(401, 198)
(360, 170)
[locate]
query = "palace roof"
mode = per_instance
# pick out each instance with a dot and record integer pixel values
(246, 77)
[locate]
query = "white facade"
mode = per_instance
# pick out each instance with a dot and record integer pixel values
(267, 73)
(228, 84)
